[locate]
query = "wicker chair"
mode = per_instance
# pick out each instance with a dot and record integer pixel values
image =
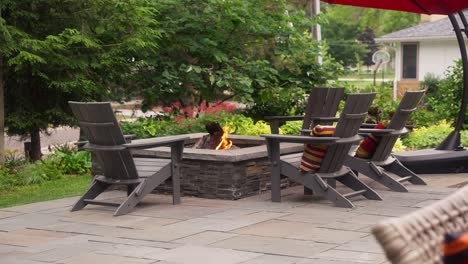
(418, 237)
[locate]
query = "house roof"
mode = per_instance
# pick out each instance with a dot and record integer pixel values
(439, 29)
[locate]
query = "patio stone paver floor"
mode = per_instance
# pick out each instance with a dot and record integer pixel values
(249, 231)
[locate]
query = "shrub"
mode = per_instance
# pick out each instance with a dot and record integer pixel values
(150, 127)
(291, 128)
(429, 137)
(278, 101)
(13, 159)
(75, 162)
(7, 179)
(423, 117)
(446, 98)
(38, 172)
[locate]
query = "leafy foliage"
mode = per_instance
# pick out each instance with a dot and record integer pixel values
(447, 94)
(291, 128)
(342, 25)
(66, 161)
(38, 172)
(429, 137)
(248, 51)
(383, 105)
(150, 127)
(56, 51)
(77, 162)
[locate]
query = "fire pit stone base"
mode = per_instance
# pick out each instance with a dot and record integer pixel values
(223, 174)
(221, 180)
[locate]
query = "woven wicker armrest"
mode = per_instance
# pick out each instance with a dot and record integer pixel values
(417, 237)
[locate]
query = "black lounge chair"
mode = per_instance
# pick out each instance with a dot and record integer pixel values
(139, 175)
(382, 160)
(323, 182)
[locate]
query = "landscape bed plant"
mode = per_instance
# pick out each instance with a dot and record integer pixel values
(64, 173)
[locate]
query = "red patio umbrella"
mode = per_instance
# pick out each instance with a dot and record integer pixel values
(443, 7)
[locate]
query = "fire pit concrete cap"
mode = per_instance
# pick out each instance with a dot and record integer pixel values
(231, 155)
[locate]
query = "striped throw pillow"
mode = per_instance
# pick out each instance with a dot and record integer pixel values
(368, 145)
(456, 248)
(314, 153)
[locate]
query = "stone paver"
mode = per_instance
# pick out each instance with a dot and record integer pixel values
(301, 229)
(358, 257)
(6, 214)
(206, 255)
(275, 245)
(205, 238)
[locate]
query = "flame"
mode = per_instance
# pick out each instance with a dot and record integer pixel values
(225, 142)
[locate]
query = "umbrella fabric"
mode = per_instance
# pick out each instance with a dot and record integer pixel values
(442, 7)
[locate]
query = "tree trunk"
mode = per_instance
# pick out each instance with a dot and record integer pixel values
(312, 10)
(2, 114)
(36, 153)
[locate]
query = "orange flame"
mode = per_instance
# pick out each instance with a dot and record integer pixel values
(225, 142)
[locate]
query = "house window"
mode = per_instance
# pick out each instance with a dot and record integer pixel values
(410, 61)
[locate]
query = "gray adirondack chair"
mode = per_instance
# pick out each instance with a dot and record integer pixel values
(332, 169)
(382, 161)
(322, 106)
(139, 175)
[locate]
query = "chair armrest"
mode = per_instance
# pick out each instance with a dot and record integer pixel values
(132, 136)
(322, 118)
(368, 125)
(283, 118)
(378, 132)
(155, 142)
(301, 139)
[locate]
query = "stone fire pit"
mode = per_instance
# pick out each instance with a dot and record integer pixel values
(223, 174)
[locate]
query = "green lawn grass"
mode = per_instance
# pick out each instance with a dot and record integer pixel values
(51, 190)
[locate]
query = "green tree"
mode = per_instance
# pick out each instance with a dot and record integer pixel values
(342, 25)
(58, 51)
(227, 49)
(367, 38)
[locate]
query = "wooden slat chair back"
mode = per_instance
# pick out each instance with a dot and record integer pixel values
(322, 105)
(417, 238)
(382, 160)
(407, 105)
(323, 182)
(106, 138)
(322, 102)
(107, 142)
(354, 113)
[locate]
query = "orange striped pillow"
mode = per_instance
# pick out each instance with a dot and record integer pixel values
(368, 145)
(455, 248)
(314, 153)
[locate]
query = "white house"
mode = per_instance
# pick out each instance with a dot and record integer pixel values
(428, 48)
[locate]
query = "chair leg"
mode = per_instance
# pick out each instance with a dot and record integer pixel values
(319, 186)
(275, 184)
(376, 173)
(399, 169)
(128, 205)
(93, 191)
(175, 188)
(351, 180)
(337, 198)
